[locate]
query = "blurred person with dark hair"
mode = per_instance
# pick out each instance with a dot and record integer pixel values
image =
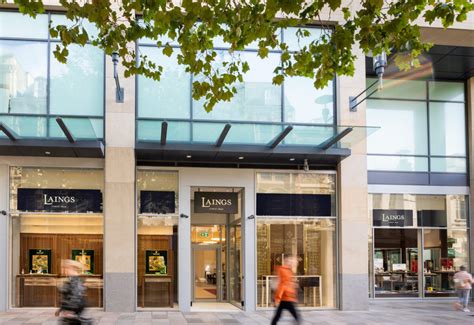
(73, 294)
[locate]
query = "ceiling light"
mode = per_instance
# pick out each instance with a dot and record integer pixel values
(292, 159)
(47, 153)
(189, 156)
(241, 157)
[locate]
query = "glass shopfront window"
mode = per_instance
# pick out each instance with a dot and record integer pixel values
(56, 214)
(35, 88)
(157, 229)
(419, 242)
(433, 119)
(289, 224)
(257, 100)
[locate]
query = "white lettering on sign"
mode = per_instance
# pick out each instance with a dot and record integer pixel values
(52, 199)
(207, 203)
(393, 217)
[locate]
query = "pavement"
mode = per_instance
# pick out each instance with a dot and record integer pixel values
(380, 312)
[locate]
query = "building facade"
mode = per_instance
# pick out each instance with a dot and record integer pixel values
(170, 207)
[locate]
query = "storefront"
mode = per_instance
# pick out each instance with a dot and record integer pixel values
(417, 243)
(55, 214)
(232, 235)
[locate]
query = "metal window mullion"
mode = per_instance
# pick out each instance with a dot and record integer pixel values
(48, 82)
(191, 106)
(428, 128)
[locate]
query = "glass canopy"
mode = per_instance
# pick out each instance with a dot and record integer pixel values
(260, 134)
(42, 127)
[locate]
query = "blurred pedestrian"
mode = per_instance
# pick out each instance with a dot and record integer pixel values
(463, 282)
(286, 294)
(73, 299)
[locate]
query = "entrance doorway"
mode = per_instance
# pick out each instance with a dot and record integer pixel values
(216, 238)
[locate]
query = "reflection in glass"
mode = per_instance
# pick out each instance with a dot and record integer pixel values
(446, 91)
(447, 129)
(23, 77)
(444, 252)
(14, 24)
(306, 104)
(403, 127)
(257, 99)
(77, 87)
(449, 165)
(169, 97)
(312, 241)
(398, 163)
(399, 89)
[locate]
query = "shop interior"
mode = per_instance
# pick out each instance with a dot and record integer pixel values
(217, 252)
(420, 260)
(41, 240)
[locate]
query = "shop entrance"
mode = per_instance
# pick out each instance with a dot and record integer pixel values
(216, 245)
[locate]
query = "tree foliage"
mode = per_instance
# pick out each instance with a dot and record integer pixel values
(375, 25)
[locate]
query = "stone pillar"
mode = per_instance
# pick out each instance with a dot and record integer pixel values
(119, 203)
(470, 141)
(4, 206)
(353, 199)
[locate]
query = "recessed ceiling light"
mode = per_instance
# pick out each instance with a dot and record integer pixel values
(189, 156)
(241, 157)
(47, 153)
(292, 159)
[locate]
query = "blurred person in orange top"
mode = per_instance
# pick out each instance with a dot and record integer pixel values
(286, 294)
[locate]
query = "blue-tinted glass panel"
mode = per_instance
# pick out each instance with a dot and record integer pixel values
(151, 131)
(290, 37)
(26, 126)
(447, 129)
(77, 87)
(90, 28)
(80, 128)
(14, 24)
(257, 99)
(309, 135)
(171, 96)
(397, 163)
(448, 165)
(306, 104)
(23, 77)
(449, 91)
(398, 88)
(403, 127)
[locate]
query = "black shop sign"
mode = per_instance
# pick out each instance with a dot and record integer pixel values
(392, 218)
(216, 202)
(160, 202)
(59, 200)
(281, 204)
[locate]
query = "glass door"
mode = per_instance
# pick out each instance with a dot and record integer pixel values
(207, 274)
(235, 264)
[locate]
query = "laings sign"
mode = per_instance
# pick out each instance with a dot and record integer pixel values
(215, 202)
(59, 200)
(393, 218)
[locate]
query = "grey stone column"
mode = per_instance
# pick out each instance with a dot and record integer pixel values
(4, 292)
(120, 294)
(353, 200)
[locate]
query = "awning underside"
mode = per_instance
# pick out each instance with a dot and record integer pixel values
(244, 143)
